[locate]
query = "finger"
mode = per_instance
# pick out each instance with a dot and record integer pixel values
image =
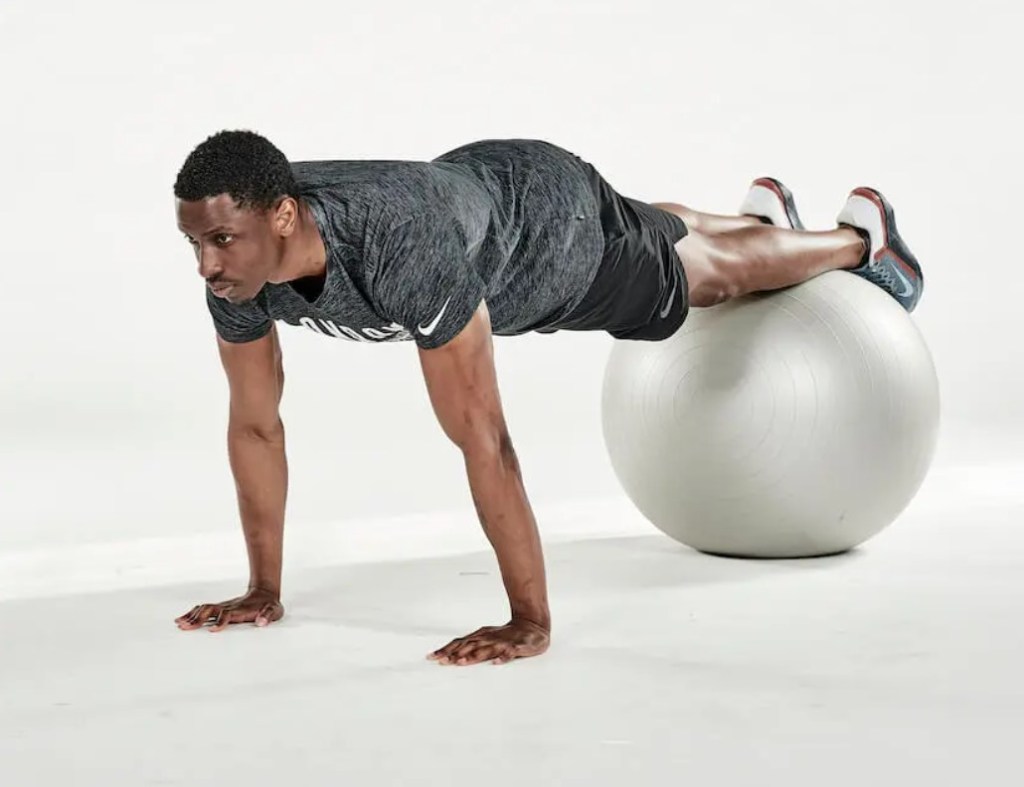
(447, 650)
(225, 618)
(462, 651)
(441, 654)
(187, 615)
(203, 612)
(507, 654)
(462, 646)
(481, 653)
(193, 614)
(268, 614)
(472, 652)
(207, 612)
(446, 653)
(220, 622)
(199, 615)
(463, 639)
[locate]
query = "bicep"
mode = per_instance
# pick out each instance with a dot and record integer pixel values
(255, 374)
(462, 384)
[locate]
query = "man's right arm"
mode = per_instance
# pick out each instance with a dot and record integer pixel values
(256, 451)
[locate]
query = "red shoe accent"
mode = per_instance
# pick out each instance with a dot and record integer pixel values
(768, 183)
(867, 193)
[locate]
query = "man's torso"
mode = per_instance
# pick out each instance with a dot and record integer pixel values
(523, 221)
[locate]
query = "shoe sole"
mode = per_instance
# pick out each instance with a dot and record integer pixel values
(781, 194)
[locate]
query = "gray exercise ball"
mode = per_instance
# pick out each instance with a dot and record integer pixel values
(794, 423)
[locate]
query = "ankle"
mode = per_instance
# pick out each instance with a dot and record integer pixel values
(860, 243)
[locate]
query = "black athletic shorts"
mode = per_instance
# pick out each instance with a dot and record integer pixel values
(640, 291)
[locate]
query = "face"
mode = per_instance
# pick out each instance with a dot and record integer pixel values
(238, 250)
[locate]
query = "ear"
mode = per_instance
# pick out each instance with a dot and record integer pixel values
(285, 216)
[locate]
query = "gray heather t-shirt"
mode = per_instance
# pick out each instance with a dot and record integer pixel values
(414, 246)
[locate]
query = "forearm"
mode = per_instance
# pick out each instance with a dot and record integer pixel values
(508, 522)
(260, 469)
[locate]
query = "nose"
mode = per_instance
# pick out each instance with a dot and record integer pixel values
(208, 267)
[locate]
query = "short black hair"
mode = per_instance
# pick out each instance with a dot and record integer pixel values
(240, 163)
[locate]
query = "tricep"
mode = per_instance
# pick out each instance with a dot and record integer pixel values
(463, 387)
(255, 374)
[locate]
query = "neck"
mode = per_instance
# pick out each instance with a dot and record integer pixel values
(305, 255)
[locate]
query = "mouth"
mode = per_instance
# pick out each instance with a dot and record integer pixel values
(221, 289)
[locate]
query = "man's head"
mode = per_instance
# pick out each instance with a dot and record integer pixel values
(237, 202)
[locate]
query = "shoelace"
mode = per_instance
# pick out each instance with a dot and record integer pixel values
(881, 275)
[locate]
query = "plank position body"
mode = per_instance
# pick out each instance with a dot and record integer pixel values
(497, 237)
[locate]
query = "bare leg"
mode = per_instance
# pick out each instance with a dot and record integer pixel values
(728, 256)
(709, 223)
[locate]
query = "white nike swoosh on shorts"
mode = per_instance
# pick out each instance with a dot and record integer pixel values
(429, 328)
(668, 303)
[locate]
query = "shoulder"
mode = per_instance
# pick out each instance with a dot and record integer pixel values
(397, 190)
(402, 182)
(241, 321)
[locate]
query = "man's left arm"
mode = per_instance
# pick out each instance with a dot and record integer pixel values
(463, 389)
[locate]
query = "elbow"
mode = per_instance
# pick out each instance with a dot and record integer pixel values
(270, 432)
(491, 447)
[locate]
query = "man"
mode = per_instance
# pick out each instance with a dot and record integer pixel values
(498, 237)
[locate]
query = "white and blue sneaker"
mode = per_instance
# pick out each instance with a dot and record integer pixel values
(887, 260)
(772, 203)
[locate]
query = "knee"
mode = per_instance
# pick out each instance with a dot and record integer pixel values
(703, 297)
(690, 217)
(711, 293)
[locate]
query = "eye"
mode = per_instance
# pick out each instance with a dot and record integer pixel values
(222, 239)
(186, 237)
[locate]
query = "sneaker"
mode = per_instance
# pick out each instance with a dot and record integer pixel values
(887, 260)
(772, 203)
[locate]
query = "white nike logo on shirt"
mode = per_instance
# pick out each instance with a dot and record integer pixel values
(429, 328)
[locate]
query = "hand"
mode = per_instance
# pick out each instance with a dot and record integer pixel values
(515, 640)
(258, 606)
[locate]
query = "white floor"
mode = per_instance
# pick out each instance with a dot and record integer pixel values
(899, 663)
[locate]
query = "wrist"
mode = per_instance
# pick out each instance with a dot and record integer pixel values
(269, 588)
(541, 618)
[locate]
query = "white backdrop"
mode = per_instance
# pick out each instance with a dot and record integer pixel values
(112, 400)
